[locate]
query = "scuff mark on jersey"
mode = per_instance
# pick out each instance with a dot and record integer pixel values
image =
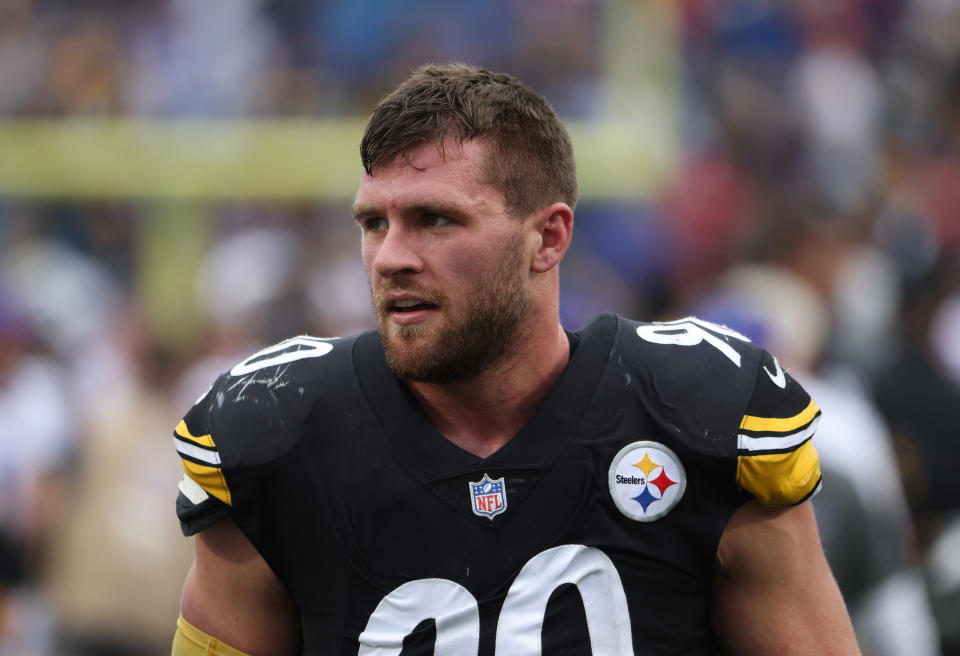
(270, 382)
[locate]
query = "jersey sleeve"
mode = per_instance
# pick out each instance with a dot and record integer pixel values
(776, 459)
(251, 416)
(203, 496)
(731, 405)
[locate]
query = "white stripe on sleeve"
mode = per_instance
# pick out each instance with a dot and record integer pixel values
(776, 442)
(192, 450)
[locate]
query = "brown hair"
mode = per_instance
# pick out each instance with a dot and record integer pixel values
(530, 158)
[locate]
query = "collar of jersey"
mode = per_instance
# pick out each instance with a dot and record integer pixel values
(425, 452)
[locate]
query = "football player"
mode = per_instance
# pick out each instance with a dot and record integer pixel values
(472, 478)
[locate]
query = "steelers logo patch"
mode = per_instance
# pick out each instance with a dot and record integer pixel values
(646, 480)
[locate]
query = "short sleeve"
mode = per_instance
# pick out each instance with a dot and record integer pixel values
(776, 459)
(203, 497)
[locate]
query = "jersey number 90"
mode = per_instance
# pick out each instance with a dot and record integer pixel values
(457, 615)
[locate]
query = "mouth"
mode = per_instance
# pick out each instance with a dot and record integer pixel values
(409, 306)
(409, 310)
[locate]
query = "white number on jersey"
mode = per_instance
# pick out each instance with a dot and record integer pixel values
(311, 347)
(397, 614)
(690, 332)
(520, 624)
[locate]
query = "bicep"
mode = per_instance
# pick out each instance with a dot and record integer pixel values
(232, 594)
(774, 592)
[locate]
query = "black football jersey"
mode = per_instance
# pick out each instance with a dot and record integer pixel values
(594, 530)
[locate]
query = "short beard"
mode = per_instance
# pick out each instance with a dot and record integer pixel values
(469, 344)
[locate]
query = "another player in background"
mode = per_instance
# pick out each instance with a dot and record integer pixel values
(475, 479)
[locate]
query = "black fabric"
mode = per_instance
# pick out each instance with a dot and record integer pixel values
(360, 500)
(11, 560)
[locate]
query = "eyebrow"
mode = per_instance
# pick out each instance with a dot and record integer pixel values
(443, 208)
(362, 212)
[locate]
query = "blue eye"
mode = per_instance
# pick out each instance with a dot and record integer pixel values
(436, 220)
(375, 223)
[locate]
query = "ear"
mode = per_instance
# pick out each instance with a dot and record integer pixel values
(554, 226)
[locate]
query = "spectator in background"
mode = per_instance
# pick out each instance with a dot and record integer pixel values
(919, 399)
(110, 578)
(24, 49)
(229, 37)
(38, 441)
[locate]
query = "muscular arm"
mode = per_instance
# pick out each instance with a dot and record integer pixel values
(774, 592)
(232, 594)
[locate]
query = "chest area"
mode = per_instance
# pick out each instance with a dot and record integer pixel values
(638, 500)
(610, 537)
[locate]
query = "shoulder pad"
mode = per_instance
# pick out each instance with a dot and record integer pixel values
(729, 400)
(255, 412)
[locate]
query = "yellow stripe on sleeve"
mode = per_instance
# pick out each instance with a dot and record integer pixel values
(182, 431)
(210, 479)
(780, 479)
(780, 425)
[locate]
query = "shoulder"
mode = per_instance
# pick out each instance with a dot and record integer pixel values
(698, 375)
(691, 341)
(728, 400)
(253, 411)
(256, 411)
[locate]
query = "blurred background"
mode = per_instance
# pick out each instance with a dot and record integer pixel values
(175, 183)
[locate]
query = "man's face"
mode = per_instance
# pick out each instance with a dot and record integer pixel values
(448, 268)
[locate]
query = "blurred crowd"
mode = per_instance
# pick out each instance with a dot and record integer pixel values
(815, 208)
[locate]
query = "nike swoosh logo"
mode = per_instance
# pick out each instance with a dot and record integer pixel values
(780, 378)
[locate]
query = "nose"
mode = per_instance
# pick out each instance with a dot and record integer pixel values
(397, 252)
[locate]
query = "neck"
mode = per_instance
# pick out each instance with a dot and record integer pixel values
(481, 414)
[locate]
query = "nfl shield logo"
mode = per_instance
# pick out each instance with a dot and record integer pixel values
(489, 497)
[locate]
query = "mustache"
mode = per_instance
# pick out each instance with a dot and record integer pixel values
(433, 296)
